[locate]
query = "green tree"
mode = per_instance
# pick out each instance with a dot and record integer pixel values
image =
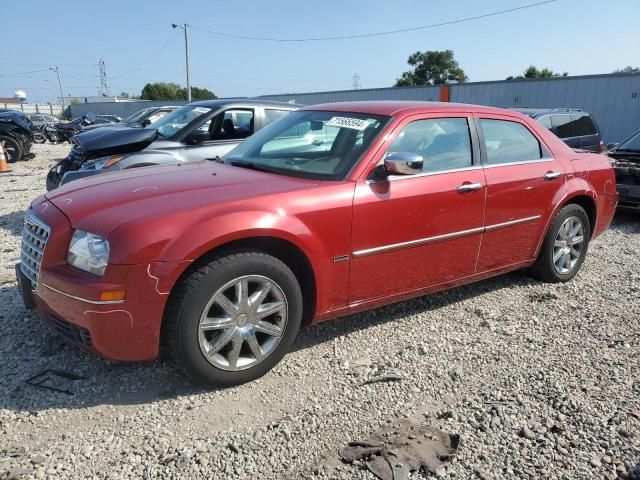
(533, 72)
(433, 67)
(200, 93)
(628, 69)
(173, 91)
(124, 95)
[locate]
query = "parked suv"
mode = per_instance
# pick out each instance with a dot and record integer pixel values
(575, 127)
(196, 131)
(223, 261)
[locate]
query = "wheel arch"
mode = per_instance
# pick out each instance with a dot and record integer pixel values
(284, 250)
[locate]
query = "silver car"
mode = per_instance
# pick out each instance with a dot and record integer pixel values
(197, 131)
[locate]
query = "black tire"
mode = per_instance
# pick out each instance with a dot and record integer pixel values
(544, 268)
(12, 149)
(190, 298)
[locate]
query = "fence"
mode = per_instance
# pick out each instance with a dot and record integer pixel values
(46, 108)
(121, 109)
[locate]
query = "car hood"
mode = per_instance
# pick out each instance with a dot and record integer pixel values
(102, 203)
(110, 140)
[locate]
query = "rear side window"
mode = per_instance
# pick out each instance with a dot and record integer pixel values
(443, 143)
(509, 142)
(583, 126)
(562, 126)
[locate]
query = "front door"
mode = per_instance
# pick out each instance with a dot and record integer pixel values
(522, 181)
(411, 232)
(220, 135)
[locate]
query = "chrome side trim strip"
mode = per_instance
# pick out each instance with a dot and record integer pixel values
(524, 162)
(446, 236)
(425, 174)
(80, 299)
(512, 222)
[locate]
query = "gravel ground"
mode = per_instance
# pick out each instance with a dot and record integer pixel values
(540, 381)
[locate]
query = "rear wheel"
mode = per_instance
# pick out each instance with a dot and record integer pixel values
(233, 319)
(12, 149)
(565, 246)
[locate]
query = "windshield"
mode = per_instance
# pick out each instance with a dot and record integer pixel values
(172, 123)
(632, 144)
(310, 144)
(135, 116)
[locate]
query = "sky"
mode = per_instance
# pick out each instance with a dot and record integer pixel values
(138, 45)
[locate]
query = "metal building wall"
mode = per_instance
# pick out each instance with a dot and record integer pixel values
(613, 100)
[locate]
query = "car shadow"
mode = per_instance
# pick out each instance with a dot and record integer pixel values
(30, 348)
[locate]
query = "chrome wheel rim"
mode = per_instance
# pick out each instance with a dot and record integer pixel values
(9, 152)
(242, 323)
(568, 245)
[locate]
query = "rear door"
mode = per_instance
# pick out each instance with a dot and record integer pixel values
(522, 181)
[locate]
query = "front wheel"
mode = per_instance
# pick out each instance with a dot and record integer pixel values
(12, 149)
(233, 319)
(565, 246)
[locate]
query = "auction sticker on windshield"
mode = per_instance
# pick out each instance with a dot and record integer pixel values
(347, 122)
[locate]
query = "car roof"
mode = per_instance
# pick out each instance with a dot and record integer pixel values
(393, 107)
(536, 112)
(225, 102)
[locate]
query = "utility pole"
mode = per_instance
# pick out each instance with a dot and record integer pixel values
(186, 56)
(57, 70)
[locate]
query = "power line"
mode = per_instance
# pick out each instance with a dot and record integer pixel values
(22, 73)
(376, 34)
(148, 58)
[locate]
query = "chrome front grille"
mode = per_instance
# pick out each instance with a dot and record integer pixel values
(35, 234)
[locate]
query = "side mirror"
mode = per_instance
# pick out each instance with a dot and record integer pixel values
(146, 123)
(198, 137)
(611, 146)
(403, 163)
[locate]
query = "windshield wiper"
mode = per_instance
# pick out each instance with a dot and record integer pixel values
(632, 150)
(217, 158)
(254, 166)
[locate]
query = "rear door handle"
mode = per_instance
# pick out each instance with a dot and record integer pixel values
(551, 175)
(469, 187)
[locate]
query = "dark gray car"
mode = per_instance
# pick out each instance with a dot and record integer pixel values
(197, 131)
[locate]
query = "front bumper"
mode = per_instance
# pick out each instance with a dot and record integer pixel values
(127, 330)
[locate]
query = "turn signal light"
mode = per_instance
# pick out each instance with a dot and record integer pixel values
(113, 295)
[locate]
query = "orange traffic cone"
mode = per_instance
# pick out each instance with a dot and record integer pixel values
(4, 166)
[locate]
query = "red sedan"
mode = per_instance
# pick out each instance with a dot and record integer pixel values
(330, 210)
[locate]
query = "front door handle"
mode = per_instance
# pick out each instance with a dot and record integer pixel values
(469, 187)
(551, 175)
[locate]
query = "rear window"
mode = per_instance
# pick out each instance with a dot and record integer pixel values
(545, 122)
(583, 126)
(508, 142)
(562, 126)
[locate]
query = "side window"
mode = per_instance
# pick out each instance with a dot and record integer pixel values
(272, 115)
(562, 126)
(509, 142)
(583, 125)
(236, 123)
(443, 143)
(545, 122)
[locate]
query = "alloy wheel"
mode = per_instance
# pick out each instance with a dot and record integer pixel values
(568, 245)
(242, 323)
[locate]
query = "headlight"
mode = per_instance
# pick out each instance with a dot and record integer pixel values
(88, 252)
(102, 162)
